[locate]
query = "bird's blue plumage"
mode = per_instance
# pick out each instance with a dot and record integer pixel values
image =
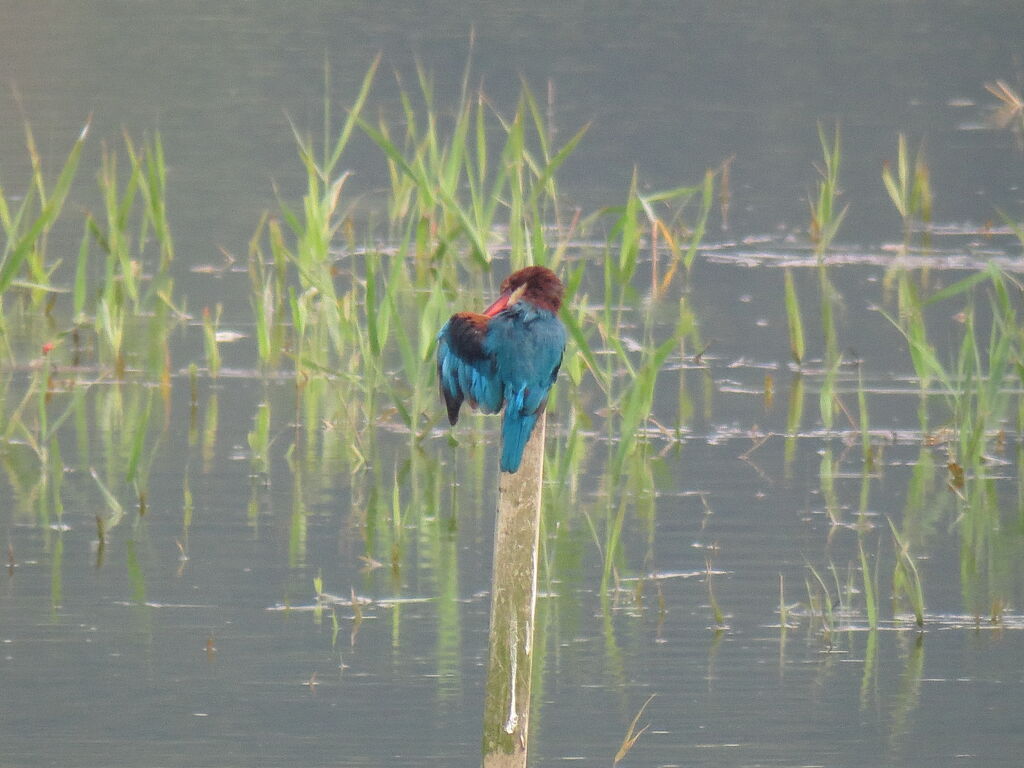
(526, 344)
(464, 371)
(510, 360)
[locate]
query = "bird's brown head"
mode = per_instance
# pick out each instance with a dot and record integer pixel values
(537, 285)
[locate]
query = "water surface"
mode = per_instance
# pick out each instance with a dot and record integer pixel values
(193, 635)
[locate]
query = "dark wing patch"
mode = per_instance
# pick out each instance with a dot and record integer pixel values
(464, 369)
(558, 365)
(466, 332)
(452, 399)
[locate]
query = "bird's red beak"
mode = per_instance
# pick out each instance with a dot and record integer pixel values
(505, 300)
(499, 305)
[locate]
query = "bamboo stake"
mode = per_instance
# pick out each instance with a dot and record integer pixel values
(513, 603)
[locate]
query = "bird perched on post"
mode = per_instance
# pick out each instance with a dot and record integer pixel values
(508, 356)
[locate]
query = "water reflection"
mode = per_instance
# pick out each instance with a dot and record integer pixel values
(301, 457)
(155, 506)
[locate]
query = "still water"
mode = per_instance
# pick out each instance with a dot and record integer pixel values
(193, 634)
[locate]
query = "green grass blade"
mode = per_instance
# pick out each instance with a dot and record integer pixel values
(117, 511)
(13, 260)
(353, 116)
(794, 320)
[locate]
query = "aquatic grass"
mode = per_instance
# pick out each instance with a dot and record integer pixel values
(628, 372)
(26, 455)
(144, 454)
(538, 190)
(449, 195)
(381, 378)
(829, 300)
(110, 326)
(674, 231)
(114, 508)
(396, 527)
(149, 163)
(397, 349)
(869, 678)
(51, 502)
(115, 238)
(269, 295)
(846, 588)
(259, 439)
(869, 585)
(633, 494)
(566, 461)
(362, 320)
(298, 522)
(911, 324)
(794, 320)
(322, 327)
(906, 580)
(137, 428)
(990, 541)
(907, 697)
(449, 191)
(637, 398)
(134, 309)
(828, 399)
(827, 471)
(123, 422)
(362, 314)
(794, 418)
(826, 218)
(909, 189)
(1009, 114)
(820, 605)
(632, 734)
(427, 173)
(1002, 358)
(989, 548)
(716, 609)
(38, 434)
(974, 382)
(187, 513)
(639, 224)
(317, 307)
(26, 226)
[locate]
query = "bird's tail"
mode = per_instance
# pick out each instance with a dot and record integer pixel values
(515, 433)
(516, 430)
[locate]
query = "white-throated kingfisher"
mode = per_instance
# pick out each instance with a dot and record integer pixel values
(507, 356)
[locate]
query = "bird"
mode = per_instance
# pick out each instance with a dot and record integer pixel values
(507, 356)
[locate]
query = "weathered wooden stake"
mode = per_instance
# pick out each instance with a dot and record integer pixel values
(513, 600)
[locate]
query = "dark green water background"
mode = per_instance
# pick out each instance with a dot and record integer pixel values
(109, 665)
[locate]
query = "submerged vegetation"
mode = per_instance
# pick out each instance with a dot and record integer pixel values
(345, 305)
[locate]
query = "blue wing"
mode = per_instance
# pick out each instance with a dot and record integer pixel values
(526, 344)
(466, 371)
(509, 360)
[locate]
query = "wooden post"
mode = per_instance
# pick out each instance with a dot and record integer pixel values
(513, 602)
